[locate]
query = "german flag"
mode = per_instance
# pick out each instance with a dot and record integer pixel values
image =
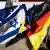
(36, 38)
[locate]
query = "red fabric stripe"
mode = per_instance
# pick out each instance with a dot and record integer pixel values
(40, 22)
(43, 19)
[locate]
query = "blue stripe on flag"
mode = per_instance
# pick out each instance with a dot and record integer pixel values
(2, 38)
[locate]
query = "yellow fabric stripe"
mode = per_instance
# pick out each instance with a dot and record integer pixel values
(37, 38)
(22, 28)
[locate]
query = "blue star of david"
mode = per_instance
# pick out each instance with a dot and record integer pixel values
(14, 22)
